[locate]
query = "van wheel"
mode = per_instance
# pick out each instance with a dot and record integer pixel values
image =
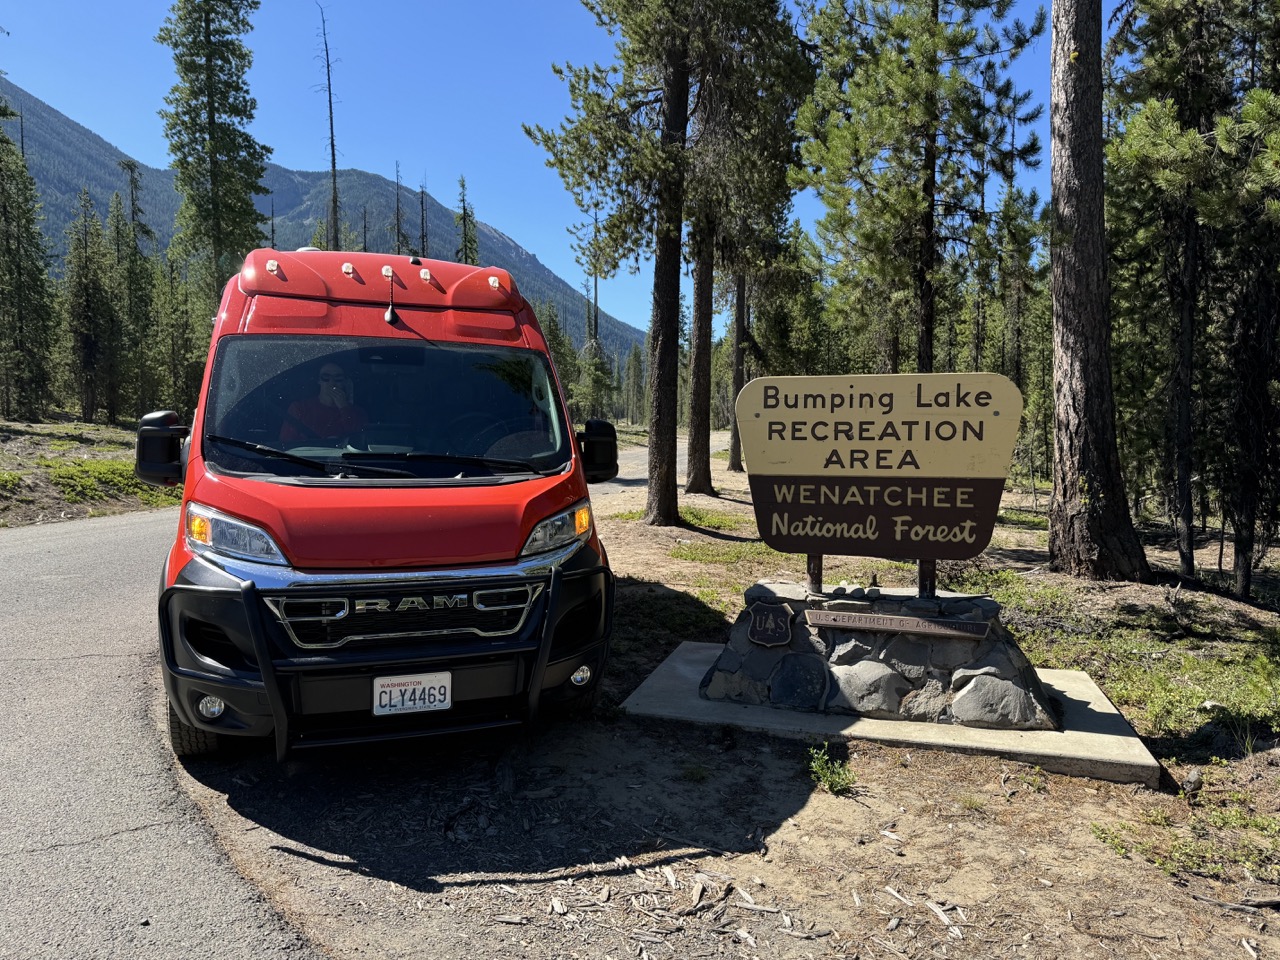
(189, 741)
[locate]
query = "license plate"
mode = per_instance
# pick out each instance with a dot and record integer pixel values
(414, 693)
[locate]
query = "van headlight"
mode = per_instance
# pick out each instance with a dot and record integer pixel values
(564, 528)
(211, 531)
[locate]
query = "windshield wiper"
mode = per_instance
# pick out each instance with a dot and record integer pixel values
(495, 462)
(321, 465)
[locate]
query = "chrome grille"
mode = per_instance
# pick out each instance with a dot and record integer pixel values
(395, 613)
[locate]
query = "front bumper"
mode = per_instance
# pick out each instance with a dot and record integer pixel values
(222, 635)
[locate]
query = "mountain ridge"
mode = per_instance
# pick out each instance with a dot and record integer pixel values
(64, 156)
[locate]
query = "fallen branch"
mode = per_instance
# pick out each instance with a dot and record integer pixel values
(1237, 907)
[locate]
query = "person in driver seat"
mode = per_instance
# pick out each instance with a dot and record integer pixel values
(329, 415)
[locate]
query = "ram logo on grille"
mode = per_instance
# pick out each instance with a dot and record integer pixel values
(437, 602)
(323, 623)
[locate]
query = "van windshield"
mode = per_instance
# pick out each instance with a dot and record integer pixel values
(359, 407)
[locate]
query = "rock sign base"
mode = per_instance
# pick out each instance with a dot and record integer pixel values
(775, 657)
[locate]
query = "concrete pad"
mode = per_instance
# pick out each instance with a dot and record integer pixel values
(1096, 741)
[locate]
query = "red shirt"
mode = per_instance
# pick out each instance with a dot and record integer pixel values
(311, 420)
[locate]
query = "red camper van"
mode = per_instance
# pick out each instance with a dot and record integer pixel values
(385, 526)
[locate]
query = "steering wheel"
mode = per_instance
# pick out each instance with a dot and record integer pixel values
(477, 432)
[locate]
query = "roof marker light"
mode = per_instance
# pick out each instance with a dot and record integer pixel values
(493, 282)
(425, 274)
(273, 266)
(348, 268)
(386, 271)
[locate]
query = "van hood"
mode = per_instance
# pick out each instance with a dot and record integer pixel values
(362, 527)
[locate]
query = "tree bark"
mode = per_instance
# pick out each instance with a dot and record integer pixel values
(926, 256)
(1254, 350)
(334, 239)
(1186, 296)
(1090, 531)
(699, 479)
(739, 363)
(662, 507)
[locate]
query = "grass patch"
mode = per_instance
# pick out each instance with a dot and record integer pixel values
(698, 517)
(10, 481)
(95, 481)
(832, 775)
(1115, 838)
(1024, 519)
(725, 553)
(715, 519)
(720, 455)
(627, 515)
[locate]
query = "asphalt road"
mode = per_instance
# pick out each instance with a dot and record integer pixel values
(100, 854)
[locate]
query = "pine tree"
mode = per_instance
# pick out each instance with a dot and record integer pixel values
(563, 355)
(626, 148)
(88, 307)
(218, 163)
(743, 145)
(181, 339)
(1194, 243)
(119, 244)
(399, 236)
(633, 381)
(28, 321)
(136, 282)
(469, 248)
(908, 119)
(1247, 210)
(1163, 159)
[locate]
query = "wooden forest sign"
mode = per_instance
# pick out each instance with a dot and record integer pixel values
(904, 467)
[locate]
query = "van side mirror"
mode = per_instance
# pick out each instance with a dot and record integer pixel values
(599, 442)
(159, 450)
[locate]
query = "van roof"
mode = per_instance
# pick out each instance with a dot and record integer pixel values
(377, 278)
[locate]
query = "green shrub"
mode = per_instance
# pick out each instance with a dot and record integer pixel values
(831, 774)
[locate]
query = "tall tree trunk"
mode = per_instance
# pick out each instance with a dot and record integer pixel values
(334, 240)
(1090, 531)
(739, 364)
(699, 480)
(1186, 296)
(926, 255)
(1256, 327)
(210, 108)
(662, 507)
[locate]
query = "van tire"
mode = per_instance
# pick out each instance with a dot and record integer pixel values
(189, 741)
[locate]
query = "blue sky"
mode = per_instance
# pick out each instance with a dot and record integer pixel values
(440, 87)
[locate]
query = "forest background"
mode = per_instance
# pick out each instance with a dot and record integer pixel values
(901, 118)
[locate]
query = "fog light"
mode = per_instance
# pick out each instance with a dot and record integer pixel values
(211, 708)
(581, 676)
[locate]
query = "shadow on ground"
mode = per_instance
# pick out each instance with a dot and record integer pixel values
(566, 796)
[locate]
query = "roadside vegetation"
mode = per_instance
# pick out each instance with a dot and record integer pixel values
(65, 469)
